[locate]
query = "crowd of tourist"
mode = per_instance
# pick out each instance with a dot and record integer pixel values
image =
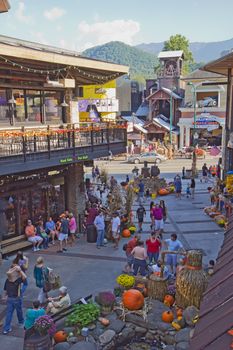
(42, 234)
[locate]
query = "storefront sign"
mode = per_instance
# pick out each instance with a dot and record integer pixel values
(74, 159)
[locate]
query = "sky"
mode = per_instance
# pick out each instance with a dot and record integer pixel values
(80, 24)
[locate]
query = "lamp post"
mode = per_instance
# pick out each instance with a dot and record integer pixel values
(194, 107)
(171, 114)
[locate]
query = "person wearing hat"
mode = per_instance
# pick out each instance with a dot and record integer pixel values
(58, 303)
(116, 224)
(63, 234)
(12, 289)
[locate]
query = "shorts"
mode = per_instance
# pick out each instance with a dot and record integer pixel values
(172, 259)
(115, 234)
(72, 232)
(159, 225)
(140, 221)
(178, 191)
(62, 236)
(35, 239)
(130, 259)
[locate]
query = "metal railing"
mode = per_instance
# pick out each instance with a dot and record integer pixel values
(27, 140)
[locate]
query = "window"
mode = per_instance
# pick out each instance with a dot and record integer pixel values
(34, 108)
(53, 109)
(8, 216)
(4, 108)
(19, 109)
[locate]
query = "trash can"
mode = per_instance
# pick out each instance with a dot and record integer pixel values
(91, 234)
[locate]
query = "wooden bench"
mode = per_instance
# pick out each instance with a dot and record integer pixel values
(58, 315)
(14, 244)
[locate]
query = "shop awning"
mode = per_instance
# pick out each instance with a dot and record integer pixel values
(140, 128)
(221, 65)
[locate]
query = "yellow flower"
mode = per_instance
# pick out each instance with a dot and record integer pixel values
(125, 281)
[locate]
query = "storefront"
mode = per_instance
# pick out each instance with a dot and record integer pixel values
(208, 129)
(39, 106)
(33, 201)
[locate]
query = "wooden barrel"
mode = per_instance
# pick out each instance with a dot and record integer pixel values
(37, 342)
(157, 287)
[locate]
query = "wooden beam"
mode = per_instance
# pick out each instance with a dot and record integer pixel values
(59, 58)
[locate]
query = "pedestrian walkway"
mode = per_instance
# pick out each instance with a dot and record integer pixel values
(85, 269)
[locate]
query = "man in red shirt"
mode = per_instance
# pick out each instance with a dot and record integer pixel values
(153, 248)
(130, 259)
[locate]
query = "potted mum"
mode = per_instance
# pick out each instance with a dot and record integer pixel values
(106, 300)
(45, 325)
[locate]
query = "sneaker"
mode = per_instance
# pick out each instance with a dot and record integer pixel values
(34, 249)
(6, 332)
(98, 247)
(21, 325)
(60, 251)
(64, 249)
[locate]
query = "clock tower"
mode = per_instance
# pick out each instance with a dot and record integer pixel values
(170, 70)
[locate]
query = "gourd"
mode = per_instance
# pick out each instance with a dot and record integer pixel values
(126, 233)
(104, 321)
(169, 300)
(167, 316)
(60, 337)
(163, 192)
(133, 299)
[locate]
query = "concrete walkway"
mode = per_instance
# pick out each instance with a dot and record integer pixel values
(85, 269)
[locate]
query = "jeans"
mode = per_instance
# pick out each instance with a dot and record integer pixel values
(24, 287)
(45, 242)
(152, 256)
(13, 304)
(100, 238)
(139, 265)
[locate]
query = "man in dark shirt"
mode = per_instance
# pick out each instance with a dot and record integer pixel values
(14, 300)
(141, 191)
(141, 212)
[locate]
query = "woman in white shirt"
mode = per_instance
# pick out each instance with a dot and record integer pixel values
(140, 255)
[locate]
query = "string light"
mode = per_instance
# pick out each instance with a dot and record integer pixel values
(54, 71)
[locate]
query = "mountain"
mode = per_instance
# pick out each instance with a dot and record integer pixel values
(202, 52)
(141, 63)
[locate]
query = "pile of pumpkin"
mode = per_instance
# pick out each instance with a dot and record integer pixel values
(218, 217)
(170, 188)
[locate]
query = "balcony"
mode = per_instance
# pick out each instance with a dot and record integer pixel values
(28, 149)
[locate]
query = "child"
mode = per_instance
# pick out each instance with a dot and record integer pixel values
(188, 192)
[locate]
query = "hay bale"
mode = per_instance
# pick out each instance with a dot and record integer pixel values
(191, 282)
(157, 287)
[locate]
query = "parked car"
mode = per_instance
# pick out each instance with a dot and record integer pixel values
(207, 102)
(150, 157)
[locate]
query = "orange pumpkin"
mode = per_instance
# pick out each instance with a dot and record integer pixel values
(163, 192)
(142, 288)
(126, 233)
(169, 300)
(104, 321)
(167, 316)
(133, 299)
(179, 312)
(60, 337)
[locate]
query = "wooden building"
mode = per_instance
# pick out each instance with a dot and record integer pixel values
(43, 146)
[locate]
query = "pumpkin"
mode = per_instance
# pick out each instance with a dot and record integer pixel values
(179, 312)
(60, 337)
(169, 300)
(126, 233)
(167, 316)
(133, 299)
(163, 192)
(104, 321)
(142, 288)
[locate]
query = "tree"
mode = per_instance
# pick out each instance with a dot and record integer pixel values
(180, 42)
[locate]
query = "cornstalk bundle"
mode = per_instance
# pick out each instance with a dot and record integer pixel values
(191, 282)
(115, 200)
(157, 287)
(129, 199)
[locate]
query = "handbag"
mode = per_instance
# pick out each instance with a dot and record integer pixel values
(57, 282)
(47, 284)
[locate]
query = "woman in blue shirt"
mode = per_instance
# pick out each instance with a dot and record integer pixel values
(33, 314)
